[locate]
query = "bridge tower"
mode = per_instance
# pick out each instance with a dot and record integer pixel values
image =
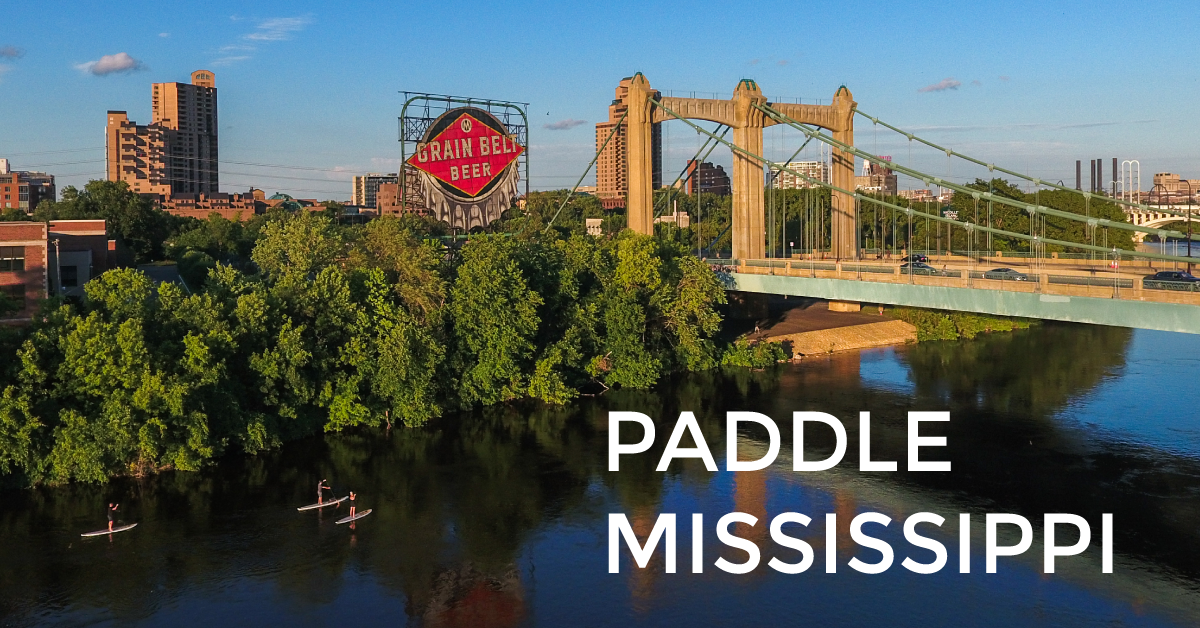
(742, 114)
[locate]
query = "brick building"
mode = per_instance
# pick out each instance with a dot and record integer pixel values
(707, 179)
(38, 259)
(229, 206)
(24, 190)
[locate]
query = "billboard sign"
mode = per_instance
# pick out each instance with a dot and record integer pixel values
(467, 165)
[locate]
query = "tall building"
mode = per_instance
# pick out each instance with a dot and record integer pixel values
(707, 179)
(188, 113)
(177, 152)
(612, 166)
(366, 188)
(24, 190)
(818, 170)
(136, 154)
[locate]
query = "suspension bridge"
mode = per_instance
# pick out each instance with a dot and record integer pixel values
(845, 259)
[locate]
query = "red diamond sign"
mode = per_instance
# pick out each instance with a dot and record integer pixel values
(467, 155)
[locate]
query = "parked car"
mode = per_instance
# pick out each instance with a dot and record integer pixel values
(917, 257)
(1005, 274)
(1174, 275)
(918, 268)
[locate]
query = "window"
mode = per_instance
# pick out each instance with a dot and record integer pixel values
(15, 292)
(12, 258)
(70, 276)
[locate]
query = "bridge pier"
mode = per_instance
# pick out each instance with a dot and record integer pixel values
(749, 199)
(748, 180)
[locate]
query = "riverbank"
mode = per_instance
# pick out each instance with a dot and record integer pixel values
(813, 329)
(807, 327)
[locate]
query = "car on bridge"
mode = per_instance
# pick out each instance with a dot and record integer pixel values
(1172, 280)
(1005, 274)
(917, 258)
(918, 268)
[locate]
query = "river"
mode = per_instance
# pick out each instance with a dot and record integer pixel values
(499, 518)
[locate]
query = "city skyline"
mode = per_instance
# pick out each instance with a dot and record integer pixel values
(306, 87)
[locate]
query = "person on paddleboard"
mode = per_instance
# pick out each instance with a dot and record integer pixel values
(322, 486)
(351, 504)
(111, 509)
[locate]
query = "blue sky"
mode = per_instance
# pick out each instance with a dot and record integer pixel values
(307, 84)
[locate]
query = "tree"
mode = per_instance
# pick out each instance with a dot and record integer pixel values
(132, 218)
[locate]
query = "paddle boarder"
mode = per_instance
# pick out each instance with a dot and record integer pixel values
(111, 509)
(351, 504)
(322, 486)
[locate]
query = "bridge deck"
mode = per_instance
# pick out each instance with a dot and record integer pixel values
(1054, 293)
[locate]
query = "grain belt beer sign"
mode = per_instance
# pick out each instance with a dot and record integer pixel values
(467, 166)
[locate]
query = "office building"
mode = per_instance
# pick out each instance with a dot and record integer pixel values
(612, 167)
(877, 179)
(817, 170)
(367, 186)
(24, 189)
(1170, 186)
(177, 153)
(707, 179)
(917, 196)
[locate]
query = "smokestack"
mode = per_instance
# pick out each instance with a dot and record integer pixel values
(1092, 176)
(1114, 181)
(1078, 176)
(1100, 175)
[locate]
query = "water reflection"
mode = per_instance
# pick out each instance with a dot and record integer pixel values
(499, 518)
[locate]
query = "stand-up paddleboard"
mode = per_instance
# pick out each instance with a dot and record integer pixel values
(324, 504)
(354, 518)
(112, 531)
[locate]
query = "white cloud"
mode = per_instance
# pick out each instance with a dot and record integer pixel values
(164, 34)
(230, 60)
(11, 52)
(563, 125)
(278, 28)
(941, 86)
(4, 69)
(110, 64)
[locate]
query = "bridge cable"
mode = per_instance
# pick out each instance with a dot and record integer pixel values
(782, 118)
(909, 211)
(991, 167)
(586, 170)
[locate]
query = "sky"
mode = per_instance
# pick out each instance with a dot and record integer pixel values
(312, 89)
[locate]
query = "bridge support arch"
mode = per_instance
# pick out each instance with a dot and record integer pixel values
(741, 113)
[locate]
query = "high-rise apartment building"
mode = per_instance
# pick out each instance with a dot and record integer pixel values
(136, 154)
(177, 152)
(188, 114)
(366, 188)
(612, 166)
(818, 170)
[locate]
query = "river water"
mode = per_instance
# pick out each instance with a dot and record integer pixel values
(499, 518)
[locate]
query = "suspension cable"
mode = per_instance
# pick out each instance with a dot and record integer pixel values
(992, 167)
(936, 217)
